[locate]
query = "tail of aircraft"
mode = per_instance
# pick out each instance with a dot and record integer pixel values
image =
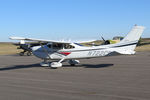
(128, 44)
(134, 34)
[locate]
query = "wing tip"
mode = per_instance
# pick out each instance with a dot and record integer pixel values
(16, 38)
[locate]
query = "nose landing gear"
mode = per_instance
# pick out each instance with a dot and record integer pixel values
(45, 63)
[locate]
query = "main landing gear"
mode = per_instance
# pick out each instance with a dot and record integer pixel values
(55, 65)
(73, 62)
(45, 63)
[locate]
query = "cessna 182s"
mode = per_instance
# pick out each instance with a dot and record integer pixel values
(70, 51)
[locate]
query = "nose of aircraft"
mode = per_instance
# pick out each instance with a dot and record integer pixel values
(39, 52)
(35, 48)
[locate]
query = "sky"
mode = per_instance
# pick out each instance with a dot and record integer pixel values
(72, 19)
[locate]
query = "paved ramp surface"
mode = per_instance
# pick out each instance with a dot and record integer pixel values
(107, 78)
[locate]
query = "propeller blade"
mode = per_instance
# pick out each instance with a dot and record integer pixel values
(103, 39)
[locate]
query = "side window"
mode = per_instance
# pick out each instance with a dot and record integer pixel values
(67, 46)
(57, 46)
(60, 46)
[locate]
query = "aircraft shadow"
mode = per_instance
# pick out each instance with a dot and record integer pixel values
(37, 65)
(97, 66)
(19, 67)
(91, 65)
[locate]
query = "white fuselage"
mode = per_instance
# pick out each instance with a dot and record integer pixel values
(70, 50)
(81, 51)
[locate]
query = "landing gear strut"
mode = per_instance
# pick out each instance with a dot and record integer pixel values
(54, 65)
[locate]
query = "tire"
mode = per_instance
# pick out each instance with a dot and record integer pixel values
(21, 53)
(72, 64)
(53, 67)
(28, 53)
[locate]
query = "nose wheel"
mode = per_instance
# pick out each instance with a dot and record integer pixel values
(45, 63)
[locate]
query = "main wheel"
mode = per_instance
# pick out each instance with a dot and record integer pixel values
(73, 62)
(28, 53)
(56, 65)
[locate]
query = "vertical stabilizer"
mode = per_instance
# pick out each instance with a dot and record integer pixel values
(134, 35)
(128, 44)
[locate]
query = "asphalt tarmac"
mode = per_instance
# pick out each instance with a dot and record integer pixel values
(108, 78)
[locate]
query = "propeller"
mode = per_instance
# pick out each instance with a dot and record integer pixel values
(103, 39)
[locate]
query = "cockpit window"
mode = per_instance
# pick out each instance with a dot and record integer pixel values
(60, 46)
(57, 46)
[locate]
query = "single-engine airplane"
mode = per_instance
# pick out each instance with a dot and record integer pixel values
(70, 51)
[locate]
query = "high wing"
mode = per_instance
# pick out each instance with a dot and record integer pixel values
(50, 41)
(38, 40)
